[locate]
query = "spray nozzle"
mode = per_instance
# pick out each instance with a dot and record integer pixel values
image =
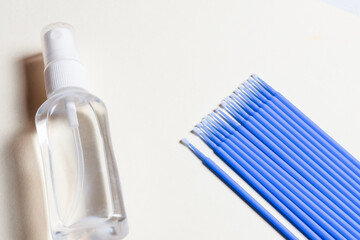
(59, 43)
(61, 59)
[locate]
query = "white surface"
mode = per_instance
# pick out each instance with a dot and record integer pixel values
(160, 66)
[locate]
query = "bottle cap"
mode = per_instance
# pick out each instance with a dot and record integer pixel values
(62, 66)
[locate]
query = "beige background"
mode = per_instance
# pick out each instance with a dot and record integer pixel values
(160, 66)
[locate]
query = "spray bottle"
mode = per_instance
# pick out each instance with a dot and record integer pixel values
(81, 177)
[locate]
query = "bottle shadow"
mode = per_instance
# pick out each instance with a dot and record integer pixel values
(27, 212)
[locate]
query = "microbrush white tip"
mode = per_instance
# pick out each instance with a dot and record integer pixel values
(185, 142)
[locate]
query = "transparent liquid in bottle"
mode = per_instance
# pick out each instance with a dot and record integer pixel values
(82, 182)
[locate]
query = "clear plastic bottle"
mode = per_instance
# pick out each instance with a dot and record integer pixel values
(82, 183)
